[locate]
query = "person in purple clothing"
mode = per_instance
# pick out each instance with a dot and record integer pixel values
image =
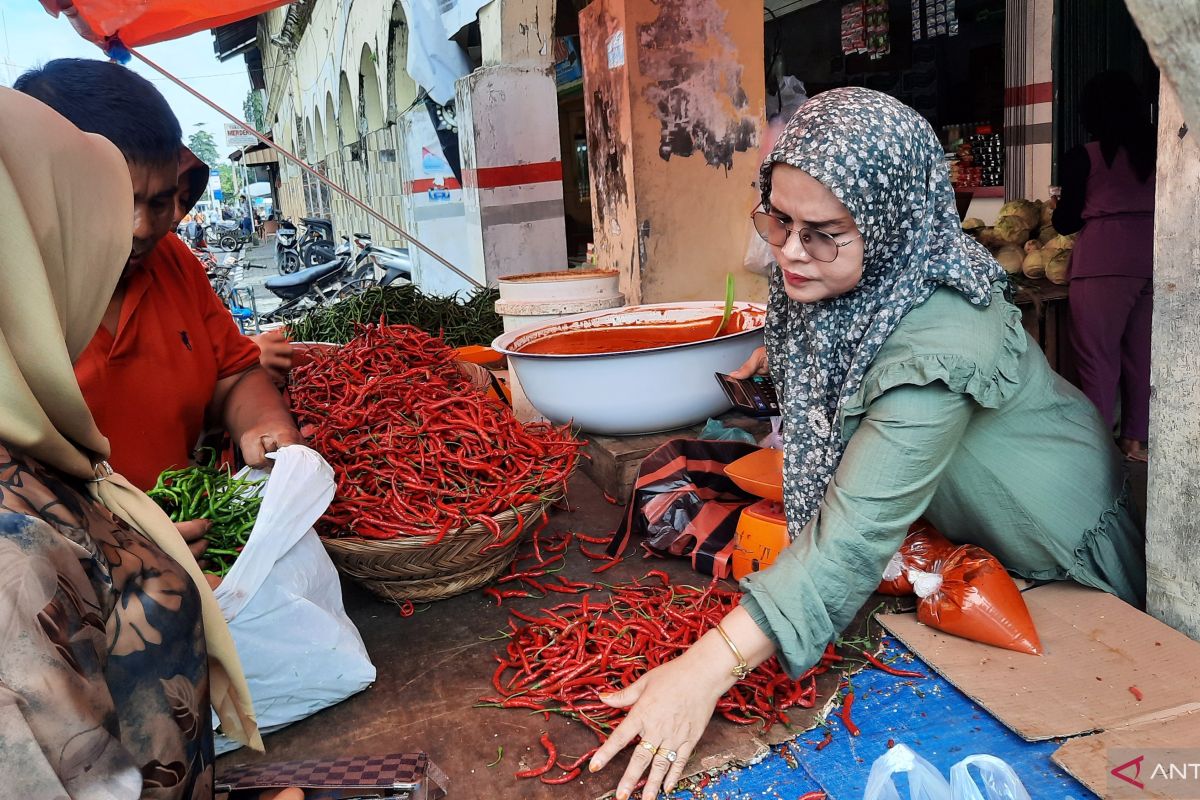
(1108, 196)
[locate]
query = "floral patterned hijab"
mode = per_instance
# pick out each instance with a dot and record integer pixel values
(886, 165)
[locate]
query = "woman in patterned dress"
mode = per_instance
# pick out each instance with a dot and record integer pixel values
(908, 388)
(111, 645)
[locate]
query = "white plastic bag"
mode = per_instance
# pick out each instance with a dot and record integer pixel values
(1000, 782)
(924, 780)
(283, 601)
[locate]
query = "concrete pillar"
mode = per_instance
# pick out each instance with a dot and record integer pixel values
(1028, 98)
(674, 93)
(508, 140)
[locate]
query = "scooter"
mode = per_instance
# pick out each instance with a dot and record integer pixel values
(376, 265)
(309, 288)
(316, 245)
(287, 248)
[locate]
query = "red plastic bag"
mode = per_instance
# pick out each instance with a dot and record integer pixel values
(922, 547)
(970, 595)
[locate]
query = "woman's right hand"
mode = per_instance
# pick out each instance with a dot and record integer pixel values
(756, 364)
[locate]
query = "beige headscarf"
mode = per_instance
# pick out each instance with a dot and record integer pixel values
(61, 254)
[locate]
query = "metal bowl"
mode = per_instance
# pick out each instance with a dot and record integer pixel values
(638, 391)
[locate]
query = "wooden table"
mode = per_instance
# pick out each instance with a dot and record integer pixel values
(1046, 316)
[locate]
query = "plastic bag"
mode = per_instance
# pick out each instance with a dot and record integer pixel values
(717, 431)
(922, 547)
(924, 780)
(283, 602)
(970, 595)
(1000, 782)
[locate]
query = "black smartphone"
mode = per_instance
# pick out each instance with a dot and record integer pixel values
(753, 396)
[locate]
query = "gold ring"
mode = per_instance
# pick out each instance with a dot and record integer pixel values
(647, 746)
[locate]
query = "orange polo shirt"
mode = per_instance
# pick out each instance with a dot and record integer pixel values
(149, 385)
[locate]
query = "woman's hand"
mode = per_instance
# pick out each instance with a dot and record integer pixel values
(756, 364)
(257, 442)
(275, 354)
(672, 705)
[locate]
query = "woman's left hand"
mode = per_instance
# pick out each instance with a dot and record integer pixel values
(672, 705)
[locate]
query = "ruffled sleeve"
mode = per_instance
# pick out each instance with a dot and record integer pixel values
(945, 342)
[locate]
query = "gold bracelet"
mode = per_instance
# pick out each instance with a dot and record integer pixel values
(742, 669)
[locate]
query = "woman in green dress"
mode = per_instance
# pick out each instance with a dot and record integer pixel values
(908, 388)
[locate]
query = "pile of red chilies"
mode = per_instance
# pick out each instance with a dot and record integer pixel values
(557, 662)
(417, 450)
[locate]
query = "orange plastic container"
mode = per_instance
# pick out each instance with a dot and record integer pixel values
(760, 473)
(761, 536)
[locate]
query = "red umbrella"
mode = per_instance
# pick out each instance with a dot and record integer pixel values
(146, 22)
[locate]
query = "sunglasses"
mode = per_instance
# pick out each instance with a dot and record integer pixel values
(818, 244)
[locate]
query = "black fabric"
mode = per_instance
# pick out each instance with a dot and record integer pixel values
(684, 504)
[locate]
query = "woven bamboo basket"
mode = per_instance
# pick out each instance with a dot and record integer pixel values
(411, 568)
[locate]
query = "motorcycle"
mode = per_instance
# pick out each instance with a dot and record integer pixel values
(310, 287)
(287, 248)
(377, 265)
(316, 245)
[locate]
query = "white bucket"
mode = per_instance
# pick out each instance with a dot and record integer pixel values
(544, 297)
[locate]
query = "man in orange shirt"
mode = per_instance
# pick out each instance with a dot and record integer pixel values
(167, 359)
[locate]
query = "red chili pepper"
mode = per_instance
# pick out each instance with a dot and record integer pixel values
(552, 753)
(561, 779)
(847, 705)
(828, 740)
(890, 670)
(1136, 692)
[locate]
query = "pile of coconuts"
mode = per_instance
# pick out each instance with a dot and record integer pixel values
(1024, 241)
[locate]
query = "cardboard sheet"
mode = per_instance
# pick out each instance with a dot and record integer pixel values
(1100, 655)
(1090, 759)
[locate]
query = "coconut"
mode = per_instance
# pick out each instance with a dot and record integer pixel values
(987, 237)
(972, 224)
(1046, 234)
(1032, 245)
(1010, 257)
(1062, 242)
(1047, 215)
(1012, 230)
(1034, 265)
(1058, 266)
(1029, 213)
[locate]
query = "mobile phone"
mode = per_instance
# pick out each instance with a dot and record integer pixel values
(754, 396)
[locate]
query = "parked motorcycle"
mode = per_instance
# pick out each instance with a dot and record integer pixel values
(310, 287)
(287, 248)
(377, 265)
(316, 244)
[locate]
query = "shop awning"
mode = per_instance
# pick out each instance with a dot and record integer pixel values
(257, 154)
(136, 22)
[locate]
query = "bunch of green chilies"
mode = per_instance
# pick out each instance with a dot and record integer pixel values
(416, 449)
(458, 322)
(213, 493)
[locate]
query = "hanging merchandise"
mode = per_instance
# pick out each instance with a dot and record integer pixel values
(969, 594)
(878, 29)
(916, 20)
(854, 29)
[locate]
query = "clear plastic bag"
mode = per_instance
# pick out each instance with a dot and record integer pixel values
(924, 780)
(283, 602)
(1000, 782)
